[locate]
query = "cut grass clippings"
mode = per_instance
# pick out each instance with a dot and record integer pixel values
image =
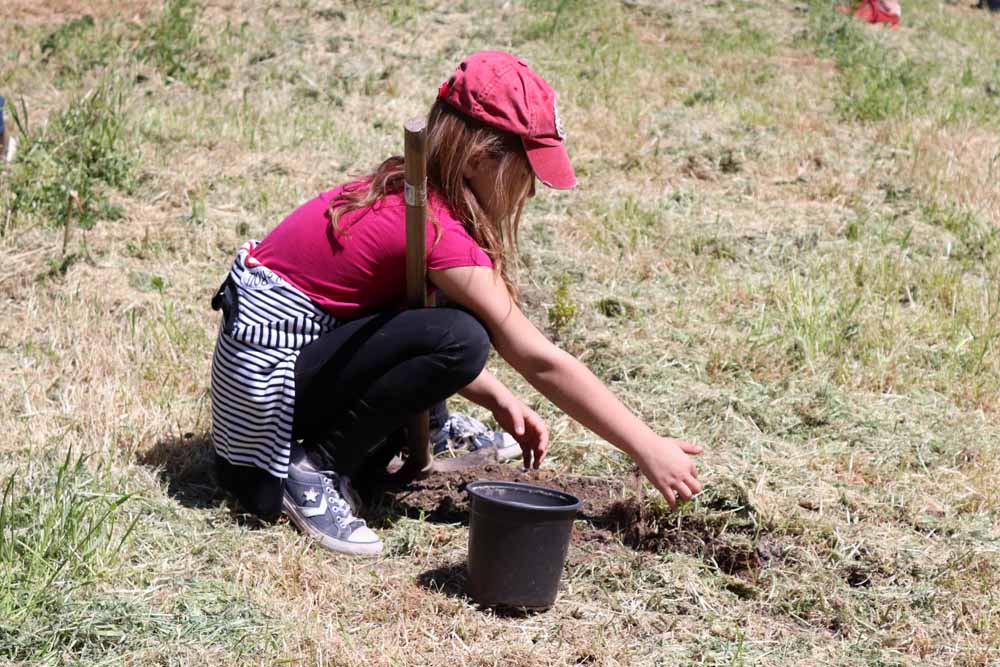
(784, 247)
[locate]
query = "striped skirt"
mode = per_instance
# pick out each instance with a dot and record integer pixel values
(266, 322)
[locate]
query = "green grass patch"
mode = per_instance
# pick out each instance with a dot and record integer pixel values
(626, 225)
(69, 591)
(171, 42)
(84, 149)
(746, 39)
(61, 533)
(876, 82)
(596, 37)
(976, 240)
(886, 320)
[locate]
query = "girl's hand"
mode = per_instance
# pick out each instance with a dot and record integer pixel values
(667, 465)
(527, 428)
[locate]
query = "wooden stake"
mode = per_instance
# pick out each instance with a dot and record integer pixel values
(415, 195)
(419, 459)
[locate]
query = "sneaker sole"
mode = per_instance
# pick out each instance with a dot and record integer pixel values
(331, 543)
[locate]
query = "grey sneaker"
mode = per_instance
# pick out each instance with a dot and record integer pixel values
(464, 432)
(322, 504)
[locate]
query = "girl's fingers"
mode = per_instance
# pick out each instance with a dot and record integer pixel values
(668, 495)
(541, 431)
(693, 484)
(532, 434)
(689, 447)
(539, 455)
(518, 417)
(683, 492)
(539, 440)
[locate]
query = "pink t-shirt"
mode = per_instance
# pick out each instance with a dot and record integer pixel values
(362, 269)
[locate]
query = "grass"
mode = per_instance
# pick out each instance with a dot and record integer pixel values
(784, 247)
(69, 594)
(876, 82)
(84, 150)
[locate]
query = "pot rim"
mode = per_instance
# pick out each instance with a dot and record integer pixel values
(570, 502)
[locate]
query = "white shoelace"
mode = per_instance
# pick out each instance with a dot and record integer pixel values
(332, 494)
(345, 506)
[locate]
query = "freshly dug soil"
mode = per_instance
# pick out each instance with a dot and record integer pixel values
(442, 496)
(613, 512)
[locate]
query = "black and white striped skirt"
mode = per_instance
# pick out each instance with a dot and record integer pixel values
(266, 322)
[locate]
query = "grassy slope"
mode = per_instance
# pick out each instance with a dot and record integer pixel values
(784, 246)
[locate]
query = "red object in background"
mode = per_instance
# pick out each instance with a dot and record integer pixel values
(875, 11)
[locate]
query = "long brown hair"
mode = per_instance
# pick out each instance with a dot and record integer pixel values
(454, 141)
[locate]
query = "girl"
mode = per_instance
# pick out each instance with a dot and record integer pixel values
(315, 347)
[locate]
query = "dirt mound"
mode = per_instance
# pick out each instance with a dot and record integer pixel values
(723, 532)
(442, 496)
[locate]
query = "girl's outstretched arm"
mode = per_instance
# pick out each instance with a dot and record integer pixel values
(568, 383)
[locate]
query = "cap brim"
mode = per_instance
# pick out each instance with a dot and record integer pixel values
(550, 162)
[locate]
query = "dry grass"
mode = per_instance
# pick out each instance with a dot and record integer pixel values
(767, 254)
(50, 12)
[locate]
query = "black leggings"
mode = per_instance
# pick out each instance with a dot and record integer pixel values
(356, 385)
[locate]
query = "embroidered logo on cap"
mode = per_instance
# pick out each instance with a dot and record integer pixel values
(560, 130)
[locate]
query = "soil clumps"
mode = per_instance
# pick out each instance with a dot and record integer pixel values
(614, 514)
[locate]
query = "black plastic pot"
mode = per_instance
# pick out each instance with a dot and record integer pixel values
(518, 539)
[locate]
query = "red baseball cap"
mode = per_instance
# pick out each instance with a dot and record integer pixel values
(500, 90)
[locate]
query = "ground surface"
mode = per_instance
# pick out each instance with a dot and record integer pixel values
(784, 247)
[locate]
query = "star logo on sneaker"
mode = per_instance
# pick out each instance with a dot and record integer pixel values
(319, 510)
(310, 495)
